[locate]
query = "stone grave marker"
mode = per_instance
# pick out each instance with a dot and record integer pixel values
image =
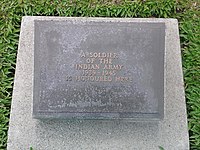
(98, 70)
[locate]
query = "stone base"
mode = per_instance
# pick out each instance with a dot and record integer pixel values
(24, 132)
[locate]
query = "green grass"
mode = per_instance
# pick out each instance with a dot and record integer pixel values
(186, 11)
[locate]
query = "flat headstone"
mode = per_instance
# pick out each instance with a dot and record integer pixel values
(171, 133)
(98, 70)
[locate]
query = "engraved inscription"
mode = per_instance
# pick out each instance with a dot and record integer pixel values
(99, 67)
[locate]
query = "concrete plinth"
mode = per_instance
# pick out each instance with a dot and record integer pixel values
(24, 132)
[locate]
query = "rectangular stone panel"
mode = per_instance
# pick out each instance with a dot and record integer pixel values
(98, 69)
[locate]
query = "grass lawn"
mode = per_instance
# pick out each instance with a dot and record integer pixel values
(186, 11)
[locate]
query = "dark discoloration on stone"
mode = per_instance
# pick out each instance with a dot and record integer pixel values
(70, 69)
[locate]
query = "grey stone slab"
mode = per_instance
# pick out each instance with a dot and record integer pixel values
(24, 131)
(98, 69)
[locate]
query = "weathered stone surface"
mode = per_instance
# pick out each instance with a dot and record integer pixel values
(98, 69)
(24, 131)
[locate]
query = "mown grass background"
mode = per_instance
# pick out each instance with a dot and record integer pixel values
(186, 11)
